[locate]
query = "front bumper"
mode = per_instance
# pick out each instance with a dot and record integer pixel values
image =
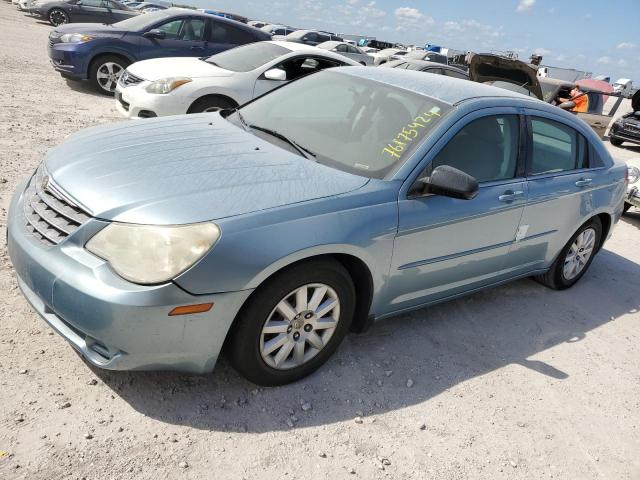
(633, 196)
(69, 59)
(135, 102)
(115, 324)
(625, 134)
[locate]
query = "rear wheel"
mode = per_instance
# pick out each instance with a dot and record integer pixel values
(211, 103)
(575, 258)
(616, 142)
(293, 323)
(57, 17)
(105, 72)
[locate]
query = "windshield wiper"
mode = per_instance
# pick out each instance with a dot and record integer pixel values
(308, 154)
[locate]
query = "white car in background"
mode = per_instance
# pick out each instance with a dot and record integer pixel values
(349, 51)
(387, 55)
(173, 86)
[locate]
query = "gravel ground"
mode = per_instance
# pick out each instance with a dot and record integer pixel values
(515, 382)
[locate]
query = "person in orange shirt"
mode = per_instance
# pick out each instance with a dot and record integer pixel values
(580, 98)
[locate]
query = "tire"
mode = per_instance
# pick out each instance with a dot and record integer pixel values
(616, 142)
(248, 347)
(556, 277)
(211, 103)
(105, 71)
(57, 17)
(626, 207)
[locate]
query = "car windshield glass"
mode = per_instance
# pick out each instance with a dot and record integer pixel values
(347, 122)
(247, 57)
(141, 22)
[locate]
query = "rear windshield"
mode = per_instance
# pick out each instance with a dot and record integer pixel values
(349, 123)
(248, 57)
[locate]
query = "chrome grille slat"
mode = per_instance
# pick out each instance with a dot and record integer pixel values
(49, 215)
(40, 208)
(127, 79)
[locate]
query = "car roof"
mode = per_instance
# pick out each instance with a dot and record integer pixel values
(331, 43)
(448, 90)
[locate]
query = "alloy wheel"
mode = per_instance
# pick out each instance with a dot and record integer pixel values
(108, 74)
(300, 326)
(579, 253)
(58, 17)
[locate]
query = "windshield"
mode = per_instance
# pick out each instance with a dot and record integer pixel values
(141, 22)
(248, 57)
(347, 122)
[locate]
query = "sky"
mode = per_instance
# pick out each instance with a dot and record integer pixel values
(596, 36)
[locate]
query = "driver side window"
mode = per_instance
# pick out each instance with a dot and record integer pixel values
(299, 66)
(93, 3)
(486, 148)
(171, 29)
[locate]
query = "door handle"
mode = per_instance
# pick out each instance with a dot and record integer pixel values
(510, 196)
(195, 47)
(584, 182)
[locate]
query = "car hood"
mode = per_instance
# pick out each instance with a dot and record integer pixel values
(185, 169)
(177, 66)
(491, 68)
(100, 30)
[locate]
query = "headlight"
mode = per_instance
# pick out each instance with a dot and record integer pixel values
(634, 174)
(166, 85)
(75, 38)
(149, 254)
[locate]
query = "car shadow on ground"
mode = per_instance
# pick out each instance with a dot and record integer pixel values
(437, 348)
(83, 87)
(632, 217)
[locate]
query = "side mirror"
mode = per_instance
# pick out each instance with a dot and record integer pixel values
(275, 74)
(154, 33)
(567, 105)
(450, 182)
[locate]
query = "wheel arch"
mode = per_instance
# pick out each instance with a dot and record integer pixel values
(358, 269)
(213, 95)
(606, 221)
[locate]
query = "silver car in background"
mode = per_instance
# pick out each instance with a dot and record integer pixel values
(349, 51)
(387, 55)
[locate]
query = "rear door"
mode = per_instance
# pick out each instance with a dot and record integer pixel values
(563, 177)
(447, 246)
(223, 36)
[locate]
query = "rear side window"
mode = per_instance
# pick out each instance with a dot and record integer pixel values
(486, 148)
(435, 71)
(221, 33)
(454, 74)
(94, 3)
(556, 147)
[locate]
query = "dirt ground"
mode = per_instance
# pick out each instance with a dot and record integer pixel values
(515, 382)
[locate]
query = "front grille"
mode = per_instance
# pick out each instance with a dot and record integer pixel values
(50, 216)
(128, 79)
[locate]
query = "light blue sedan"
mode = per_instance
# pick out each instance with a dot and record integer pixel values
(272, 230)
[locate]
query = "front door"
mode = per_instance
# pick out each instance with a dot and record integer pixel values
(447, 246)
(91, 11)
(293, 67)
(182, 38)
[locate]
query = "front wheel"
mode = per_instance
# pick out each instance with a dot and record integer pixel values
(575, 258)
(293, 323)
(626, 207)
(105, 72)
(57, 17)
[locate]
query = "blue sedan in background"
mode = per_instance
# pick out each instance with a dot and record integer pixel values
(100, 53)
(341, 198)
